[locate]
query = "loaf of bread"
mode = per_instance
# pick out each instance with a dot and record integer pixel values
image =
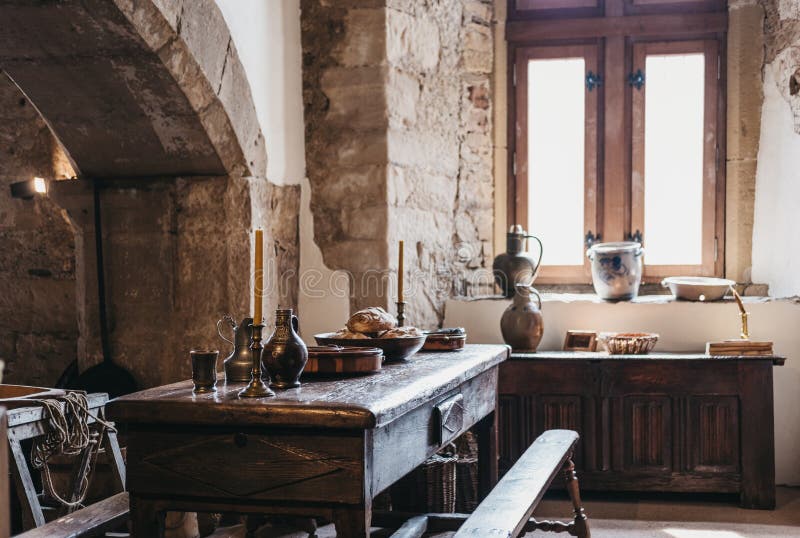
(371, 320)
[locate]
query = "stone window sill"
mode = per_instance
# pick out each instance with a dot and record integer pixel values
(551, 297)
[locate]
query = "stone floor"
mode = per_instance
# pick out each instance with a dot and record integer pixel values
(678, 516)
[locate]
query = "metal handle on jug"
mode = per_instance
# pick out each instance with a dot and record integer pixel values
(535, 268)
(229, 320)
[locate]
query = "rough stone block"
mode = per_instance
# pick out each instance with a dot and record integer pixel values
(364, 41)
(402, 97)
(412, 41)
(745, 94)
(740, 203)
(357, 97)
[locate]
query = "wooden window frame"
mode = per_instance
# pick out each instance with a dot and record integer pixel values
(616, 34)
(590, 55)
(712, 217)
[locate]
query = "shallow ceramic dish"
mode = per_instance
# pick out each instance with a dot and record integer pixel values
(343, 360)
(697, 288)
(395, 349)
(445, 342)
(629, 343)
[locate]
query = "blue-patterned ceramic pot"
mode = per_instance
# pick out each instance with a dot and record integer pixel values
(616, 269)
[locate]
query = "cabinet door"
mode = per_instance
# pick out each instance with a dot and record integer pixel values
(647, 433)
(713, 434)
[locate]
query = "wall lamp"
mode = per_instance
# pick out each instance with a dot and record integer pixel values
(29, 188)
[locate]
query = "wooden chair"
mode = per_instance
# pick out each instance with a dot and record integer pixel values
(94, 520)
(507, 510)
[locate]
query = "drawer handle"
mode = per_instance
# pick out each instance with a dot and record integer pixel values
(240, 439)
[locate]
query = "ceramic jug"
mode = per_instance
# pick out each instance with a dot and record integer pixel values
(616, 269)
(239, 363)
(516, 265)
(522, 324)
(285, 355)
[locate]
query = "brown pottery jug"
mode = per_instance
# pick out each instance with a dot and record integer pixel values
(522, 324)
(285, 355)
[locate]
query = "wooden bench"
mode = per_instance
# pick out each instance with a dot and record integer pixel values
(506, 511)
(95, 520)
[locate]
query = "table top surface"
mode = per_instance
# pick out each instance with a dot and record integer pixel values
(361, 402)
(652, 356)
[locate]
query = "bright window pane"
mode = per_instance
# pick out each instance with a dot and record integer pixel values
(556, 127)
(673, 159)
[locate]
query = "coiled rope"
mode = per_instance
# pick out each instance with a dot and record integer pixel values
(68, 434)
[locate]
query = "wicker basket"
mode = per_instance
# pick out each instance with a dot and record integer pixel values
(630, 343)
(466, 485)
(431, 487)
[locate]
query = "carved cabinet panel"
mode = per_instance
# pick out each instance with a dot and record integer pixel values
(646, 433)
(652, 424)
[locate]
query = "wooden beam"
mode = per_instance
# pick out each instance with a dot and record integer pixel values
(616, 26)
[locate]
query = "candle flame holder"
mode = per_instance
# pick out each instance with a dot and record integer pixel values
(745, 334)
(256, 388)
(401, 313)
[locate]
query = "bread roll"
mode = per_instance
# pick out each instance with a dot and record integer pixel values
(371, 320)
(402, 332)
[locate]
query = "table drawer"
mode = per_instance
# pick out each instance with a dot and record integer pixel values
(241, 464)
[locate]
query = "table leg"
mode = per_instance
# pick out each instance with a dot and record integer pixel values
(486, 430)
(353, 522)
(147, 521)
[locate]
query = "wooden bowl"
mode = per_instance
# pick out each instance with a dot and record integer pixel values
(343, 360)
(394, 349)
(630, 343)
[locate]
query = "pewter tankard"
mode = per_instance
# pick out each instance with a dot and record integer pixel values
(239, 363)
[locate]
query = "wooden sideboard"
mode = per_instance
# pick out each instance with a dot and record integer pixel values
(661, 422)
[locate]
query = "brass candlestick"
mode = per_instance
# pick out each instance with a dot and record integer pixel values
(745, 334)
(256, 388)
(401, 310)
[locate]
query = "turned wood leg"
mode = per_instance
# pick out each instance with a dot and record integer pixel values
(147, 521)
(581, 521)
(486, 430)
(353, 522)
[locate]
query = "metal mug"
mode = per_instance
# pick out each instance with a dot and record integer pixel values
(204, 370)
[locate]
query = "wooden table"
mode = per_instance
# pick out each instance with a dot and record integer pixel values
(660, 422)
(324, 449)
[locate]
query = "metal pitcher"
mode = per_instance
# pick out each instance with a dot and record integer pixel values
(516, 266)
(239, 363)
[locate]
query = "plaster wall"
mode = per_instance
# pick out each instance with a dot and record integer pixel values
(776, 256)
(683, 327)
(267, 36)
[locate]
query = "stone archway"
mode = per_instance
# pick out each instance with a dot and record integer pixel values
(149, 98)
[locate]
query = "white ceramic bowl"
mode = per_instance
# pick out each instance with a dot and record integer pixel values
(697, 288)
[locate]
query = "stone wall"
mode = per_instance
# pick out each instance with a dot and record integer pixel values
(440, 148)
(176, 253)
(398, 144)
(168, 132)
(38, 322)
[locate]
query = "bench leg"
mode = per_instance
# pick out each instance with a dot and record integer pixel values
(581, 521)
